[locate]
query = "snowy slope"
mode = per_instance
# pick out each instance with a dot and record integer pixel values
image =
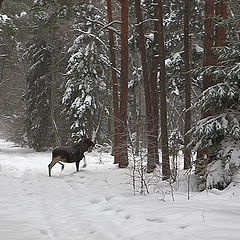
(96, 203)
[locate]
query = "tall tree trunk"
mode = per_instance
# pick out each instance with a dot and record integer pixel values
(147, 91)
(209, 42)
(123, 160)
(209, 60)
(187, 152)
(163, 101)
(114, 86)
(155, 109)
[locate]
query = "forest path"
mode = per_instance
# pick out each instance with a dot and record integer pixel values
(69, 205)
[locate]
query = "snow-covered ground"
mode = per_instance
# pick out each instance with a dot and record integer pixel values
(96, 203)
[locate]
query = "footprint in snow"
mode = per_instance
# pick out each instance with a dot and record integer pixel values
(43, 231)
(183, 226)
(95, 201)
(155, 220)
(107, 198)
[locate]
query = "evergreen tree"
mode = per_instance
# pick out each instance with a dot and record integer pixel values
(12, 79)
(86, 73)
(37, 96)
(220, 132)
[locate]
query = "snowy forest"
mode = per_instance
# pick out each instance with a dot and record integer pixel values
(151, 80)
(154, 86)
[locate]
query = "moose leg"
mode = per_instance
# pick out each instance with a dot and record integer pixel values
(52, 163)
(85, 162)
(77, 165)
(61, 165)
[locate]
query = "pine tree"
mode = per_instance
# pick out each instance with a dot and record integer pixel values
(86, 87)
(12, 70)
(37, 96)
(220, 132)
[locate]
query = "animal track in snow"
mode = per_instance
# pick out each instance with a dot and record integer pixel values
(119, 210)
(155, 220)
(107, 198)
(43, 231)
(183, 226)
(95, 201)
(107, 209)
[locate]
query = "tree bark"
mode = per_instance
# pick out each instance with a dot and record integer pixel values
(151, 164)
(163, 101)
(123, 160)
(209, 42)
(220, 31)
(187, 152)
(221, 13)
(114, 86)
(155, 107)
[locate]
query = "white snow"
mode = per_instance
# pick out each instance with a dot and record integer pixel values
(96, 204)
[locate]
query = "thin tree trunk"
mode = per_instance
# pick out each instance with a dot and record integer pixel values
(114, 86)
(147, 89)
(52, 107)
(187, 152)
(155, 111)
(97, 131)
(123, 160)
(163, 101)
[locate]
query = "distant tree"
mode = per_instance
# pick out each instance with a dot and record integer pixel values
(12, 70)
(37, 96)
(187, 152)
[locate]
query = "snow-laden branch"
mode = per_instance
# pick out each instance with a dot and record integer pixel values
(93, 36)
(104, 26)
